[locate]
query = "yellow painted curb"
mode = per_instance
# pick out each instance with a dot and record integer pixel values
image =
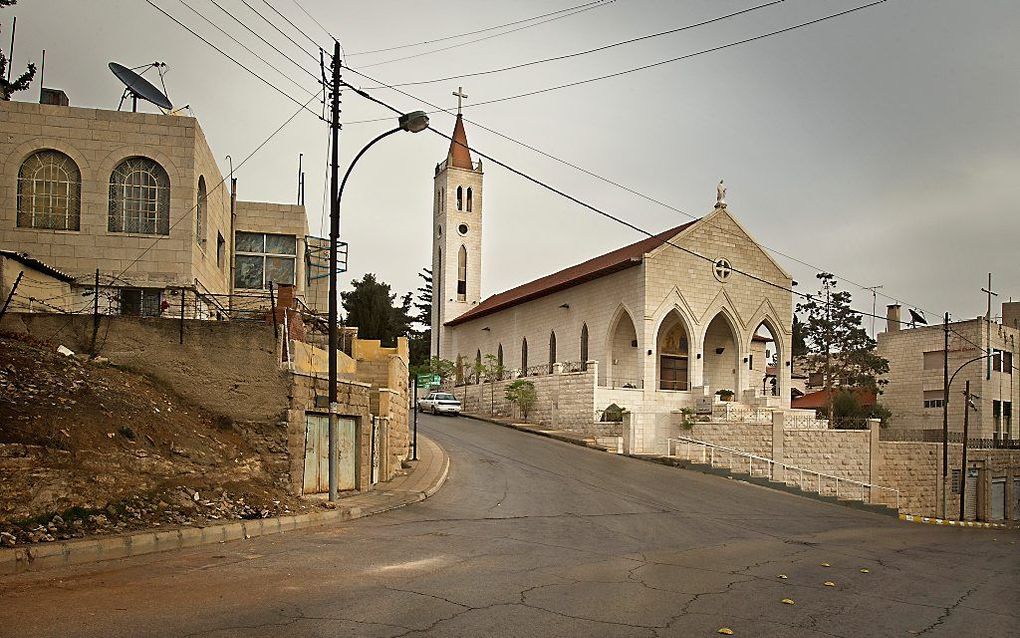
(941, 521)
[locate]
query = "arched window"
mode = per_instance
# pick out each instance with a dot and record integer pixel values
(524, 357)
(49, 192)
(460, 198)
(438, 201)
(139, 198)
(200, 212)
(499, 360)
(552, 351)
(469, 203)
(478, 366)
(584, 347)
(462, 274)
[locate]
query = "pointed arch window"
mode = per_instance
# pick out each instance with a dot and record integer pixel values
(552, 351)
(584, 347)
(139, 198)
(460, 198)
(49, 192)
(499, 360)
(469, 198)
(201, 212)
(478, 366)
(462, 274)
(524, 357)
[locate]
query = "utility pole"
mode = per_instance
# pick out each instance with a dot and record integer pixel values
(963, 465)
(828, 353)
(334, 237)
(874, 306)
(945, 411)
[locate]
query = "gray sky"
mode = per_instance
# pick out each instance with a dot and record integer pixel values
(882, 145)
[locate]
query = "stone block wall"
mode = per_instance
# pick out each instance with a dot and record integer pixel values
(842, 453)
(747, 437)
(563, 400)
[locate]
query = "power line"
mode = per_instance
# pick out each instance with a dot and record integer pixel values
(594, 5)
(264, 41)
(232, 59)
(476, 32)
(586, 51)
(287, 20)
(278, 29)
(246, 48)
(312, 18)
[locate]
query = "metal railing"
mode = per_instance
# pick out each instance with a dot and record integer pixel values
(618, 383)
(738, 413)
(711, 454)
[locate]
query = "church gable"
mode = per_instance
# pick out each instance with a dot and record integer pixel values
(722, 230)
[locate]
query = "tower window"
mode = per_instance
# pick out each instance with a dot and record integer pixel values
(462, 274)
(469, 199)
(460, 198)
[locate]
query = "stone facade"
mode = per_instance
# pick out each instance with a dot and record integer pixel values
(197, 251)
(916, 378)
(563, 399)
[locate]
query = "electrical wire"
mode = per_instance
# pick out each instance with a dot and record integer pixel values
(586, 51)
(287, 20)
(278, 29)
(231, 58)
(477, 31)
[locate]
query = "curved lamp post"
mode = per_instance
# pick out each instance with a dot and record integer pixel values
(413, 122)
(945, 439)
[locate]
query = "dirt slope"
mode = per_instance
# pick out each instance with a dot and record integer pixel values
(88, 448)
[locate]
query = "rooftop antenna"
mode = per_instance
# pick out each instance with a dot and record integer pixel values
(874, 305)
(138, 87)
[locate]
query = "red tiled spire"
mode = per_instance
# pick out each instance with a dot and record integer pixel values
(459, 156)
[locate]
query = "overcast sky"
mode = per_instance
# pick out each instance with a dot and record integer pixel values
(883, 145)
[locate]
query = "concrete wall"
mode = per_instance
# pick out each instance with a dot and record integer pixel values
(37, 291)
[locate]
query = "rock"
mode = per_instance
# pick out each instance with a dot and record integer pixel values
(65, 351)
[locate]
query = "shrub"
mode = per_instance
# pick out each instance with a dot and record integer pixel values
(522, 394)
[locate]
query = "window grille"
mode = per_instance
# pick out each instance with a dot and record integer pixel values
(49, 192)
(139, 198)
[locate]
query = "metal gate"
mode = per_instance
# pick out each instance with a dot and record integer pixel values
(1016, 499)
(316, 479)
(970, 506)
(997, 510)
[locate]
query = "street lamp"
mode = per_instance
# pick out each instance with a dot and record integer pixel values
(413, 122)
(945, 432)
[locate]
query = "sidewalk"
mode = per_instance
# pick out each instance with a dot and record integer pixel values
(420, 482)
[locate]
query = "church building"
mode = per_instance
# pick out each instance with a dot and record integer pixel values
(693, 316)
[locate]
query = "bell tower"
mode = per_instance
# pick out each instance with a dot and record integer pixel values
(456, 237)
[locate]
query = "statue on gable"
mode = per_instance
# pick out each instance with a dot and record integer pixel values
(720, 195)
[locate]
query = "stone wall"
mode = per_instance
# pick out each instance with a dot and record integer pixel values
(747, 437)
(842, 453)
(563, 400)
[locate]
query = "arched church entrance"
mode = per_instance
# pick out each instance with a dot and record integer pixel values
(673, 353)
(764, 360)
(721, 354)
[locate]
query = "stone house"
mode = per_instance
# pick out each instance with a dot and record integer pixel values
(984, 352)
(140, 197)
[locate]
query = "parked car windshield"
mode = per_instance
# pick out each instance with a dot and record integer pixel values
(446, 397)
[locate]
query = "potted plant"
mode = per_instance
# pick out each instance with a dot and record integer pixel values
(725, 395)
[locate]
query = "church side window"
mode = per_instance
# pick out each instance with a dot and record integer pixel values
(469, 198)
(499, 359)
(552, 351)
(478, 366)
(139, 198)
(584, 347)
(524, 357)
(462, 274)
(460, 198)
(49, 192)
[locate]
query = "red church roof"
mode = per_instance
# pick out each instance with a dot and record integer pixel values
(600, 266)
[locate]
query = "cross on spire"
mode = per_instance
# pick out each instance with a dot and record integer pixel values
(461, 96)
(988, 291)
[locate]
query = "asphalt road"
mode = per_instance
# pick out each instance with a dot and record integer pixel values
(532, 537)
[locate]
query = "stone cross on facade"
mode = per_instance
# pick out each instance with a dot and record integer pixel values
(461, 96)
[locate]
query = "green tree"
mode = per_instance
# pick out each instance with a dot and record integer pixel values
(838, 346)
(522, 394)
(8, 88)
(421, 325)
(494, 371)
(799, 345)
(371, 307)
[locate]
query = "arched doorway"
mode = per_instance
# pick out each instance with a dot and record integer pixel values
(721, 355)
(764, 362)
(624, 370)
(673, 353)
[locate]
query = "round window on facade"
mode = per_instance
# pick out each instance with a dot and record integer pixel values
(462, 229)
(722, 270)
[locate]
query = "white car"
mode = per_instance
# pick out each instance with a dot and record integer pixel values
(439, 403)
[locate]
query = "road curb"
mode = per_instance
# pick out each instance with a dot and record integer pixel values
(549, 434)
(90, 550)
(910, 518)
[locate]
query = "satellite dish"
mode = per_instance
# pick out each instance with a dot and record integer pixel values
(139, 87)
